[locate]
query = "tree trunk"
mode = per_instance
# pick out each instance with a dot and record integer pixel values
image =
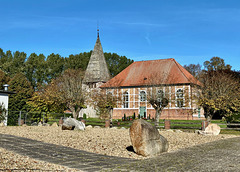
(209, 118)
(75, 112)
(110, 116)
(157, 116)
(207, 114)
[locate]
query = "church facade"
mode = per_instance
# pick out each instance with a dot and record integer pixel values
(134, 84)
(164, 77)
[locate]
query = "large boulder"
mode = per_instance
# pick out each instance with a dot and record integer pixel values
(146, 140)
(72, 124)
(211, 129)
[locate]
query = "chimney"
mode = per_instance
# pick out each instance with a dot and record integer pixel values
(5, 87)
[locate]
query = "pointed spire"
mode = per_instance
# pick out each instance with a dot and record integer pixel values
(97, 69)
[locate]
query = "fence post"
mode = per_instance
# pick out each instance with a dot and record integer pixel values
(19, 118)
(167, 124)
(107, 123)
(204, 125)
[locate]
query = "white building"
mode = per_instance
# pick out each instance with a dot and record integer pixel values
(4, 98)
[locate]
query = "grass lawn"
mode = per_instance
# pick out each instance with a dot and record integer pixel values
(184, 125)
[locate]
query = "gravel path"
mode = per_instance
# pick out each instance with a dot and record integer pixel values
(104, 141)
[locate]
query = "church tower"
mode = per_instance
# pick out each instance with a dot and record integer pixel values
(97, 70)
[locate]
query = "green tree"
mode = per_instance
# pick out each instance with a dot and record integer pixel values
(116, 63)
(6, 62)
(216, 63)
(55, 66)
(45, 101)
(4, 79)
(18, 102)
(78, 61)
(18, 63)
(35, 70)
(3, 58)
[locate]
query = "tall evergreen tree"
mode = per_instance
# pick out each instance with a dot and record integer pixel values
(4, 79)
(55, 66)
(78, 61)
(35, 70)
(18, 102)
(116, 63)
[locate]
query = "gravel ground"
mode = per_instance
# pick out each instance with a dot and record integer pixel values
(105, 141)
(10, 161)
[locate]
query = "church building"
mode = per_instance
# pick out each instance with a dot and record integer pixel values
(135, 83)
(165, 77)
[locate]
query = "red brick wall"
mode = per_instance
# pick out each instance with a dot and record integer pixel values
(183, 114)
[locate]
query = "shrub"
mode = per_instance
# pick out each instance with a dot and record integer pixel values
(2, 113)
(124, 117)
(84, 116)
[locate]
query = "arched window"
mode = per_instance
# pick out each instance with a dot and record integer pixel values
(179, 98)
(142, 96)
(125, 99)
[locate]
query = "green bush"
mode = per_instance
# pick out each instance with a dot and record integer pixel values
(124, 117)
(233, 118)
(84, 116)
(2, 113)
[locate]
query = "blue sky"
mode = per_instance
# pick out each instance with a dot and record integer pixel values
(191, 31)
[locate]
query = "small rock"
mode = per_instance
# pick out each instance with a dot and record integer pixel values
(34, 124)
(39, 124)
(178, 131)
(2, 124)
(73, 124)
(146, 139)
(89, 126)
(211, 129)
(170, 130)
(123, 128)
(64, 127)
(45, 124)
(197, 131)
(97, 127)
(54, 124)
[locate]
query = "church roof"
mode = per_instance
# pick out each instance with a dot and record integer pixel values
(153, 72)
(97, 69)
